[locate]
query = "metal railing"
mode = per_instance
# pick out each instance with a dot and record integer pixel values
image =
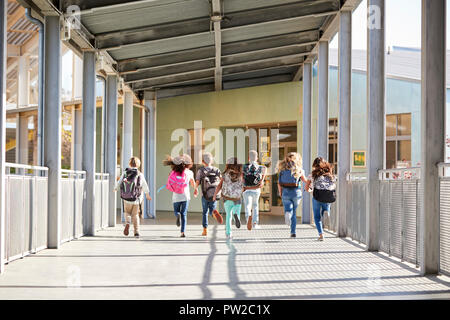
(356, 213)
(444, 219)
(399, 213)
(26, 210)
(101, 205)
(72, 189)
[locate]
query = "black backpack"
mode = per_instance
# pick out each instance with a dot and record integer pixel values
(131, 188)
(210, 182)
(325, 196)
(252, 175)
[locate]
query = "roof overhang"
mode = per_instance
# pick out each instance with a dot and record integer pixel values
(179, 47)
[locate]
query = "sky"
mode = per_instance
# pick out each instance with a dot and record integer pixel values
(403, 24)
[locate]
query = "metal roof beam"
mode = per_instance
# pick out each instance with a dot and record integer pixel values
(216, 18)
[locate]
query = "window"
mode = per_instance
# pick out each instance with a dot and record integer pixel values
(398, 141)
(333, 142)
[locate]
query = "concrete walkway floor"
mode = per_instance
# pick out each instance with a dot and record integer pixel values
(258, 264)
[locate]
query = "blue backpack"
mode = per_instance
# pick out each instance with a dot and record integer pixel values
(287, 180)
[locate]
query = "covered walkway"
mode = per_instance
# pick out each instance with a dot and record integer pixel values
(151, 50)
(261, 264)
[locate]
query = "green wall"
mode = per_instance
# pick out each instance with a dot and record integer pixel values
(230, 108)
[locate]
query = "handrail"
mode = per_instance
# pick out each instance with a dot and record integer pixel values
(76, 174)
(101, 176)
(20, 169)
(412, 173)
(357, 176)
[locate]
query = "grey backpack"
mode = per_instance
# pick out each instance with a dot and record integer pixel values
(210, 182)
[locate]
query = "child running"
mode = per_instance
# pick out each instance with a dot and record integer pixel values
(209, 178)
(132, 188)
(254, 175)
(232, 185)
(289, 187)
(179, 180)
(323, 183)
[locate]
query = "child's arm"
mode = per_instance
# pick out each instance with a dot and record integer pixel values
(219, 187)
(197, 183)
(118, 183)
(145, 189)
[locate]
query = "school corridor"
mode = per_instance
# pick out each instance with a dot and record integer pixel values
(257, 264)
(87, 84)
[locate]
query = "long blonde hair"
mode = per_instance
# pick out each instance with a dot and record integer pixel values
(292, 161)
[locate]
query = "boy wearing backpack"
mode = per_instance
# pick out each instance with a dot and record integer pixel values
(178, 183)
(209, 178)
(254, 175)
(133, 186)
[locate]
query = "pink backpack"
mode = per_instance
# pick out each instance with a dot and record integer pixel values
(176, 182)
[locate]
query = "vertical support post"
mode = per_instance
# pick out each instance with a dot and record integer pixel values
(344, 124)
(89, 140)
(22, 139)
(433, 127)
(111, 144)
(307, 100)
(52, 124)
(127, 149)
(376, 117)
(150, 103)
(78, 138)
(3, 55)
(23, 81)
(322, 125)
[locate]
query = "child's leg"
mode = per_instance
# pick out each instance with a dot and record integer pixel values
(135, 218)
(176, 208)
(248, 198)
(183, 212)
(229, 215)
(127, 211)
(205, 208)
(255, 208)
(317, 210)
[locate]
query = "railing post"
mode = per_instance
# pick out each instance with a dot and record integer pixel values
(322, 122)
(433, 127)
(3, 55)
(150, 167)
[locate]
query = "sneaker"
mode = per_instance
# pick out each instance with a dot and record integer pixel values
(229, 236)
(249, 223)
(218, 217)
(321, 237)
(126, 231)
(205, 232)
(182, 235)
(237, 221)
(256, 226)
(293, 235)
(178, 220)
(136, 235)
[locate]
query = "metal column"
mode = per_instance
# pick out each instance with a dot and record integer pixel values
(127, 148)
(3, 55)
(344, 124)
(307, 100)
(376, 118)
(89, 139)
(150, 174)
(433, 128)
(52, 124)
(78, 139)
(322, 125)
(111, 143)
(22, 140)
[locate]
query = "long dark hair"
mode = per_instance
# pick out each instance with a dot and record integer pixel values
(179, 168)
(234, 169)
(321, 167)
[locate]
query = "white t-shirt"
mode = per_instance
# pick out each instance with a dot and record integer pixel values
(186, 196)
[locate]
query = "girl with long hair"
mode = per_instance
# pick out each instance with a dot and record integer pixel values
(290, 175)
(323, 183)
(232, 185)
(179, 179)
